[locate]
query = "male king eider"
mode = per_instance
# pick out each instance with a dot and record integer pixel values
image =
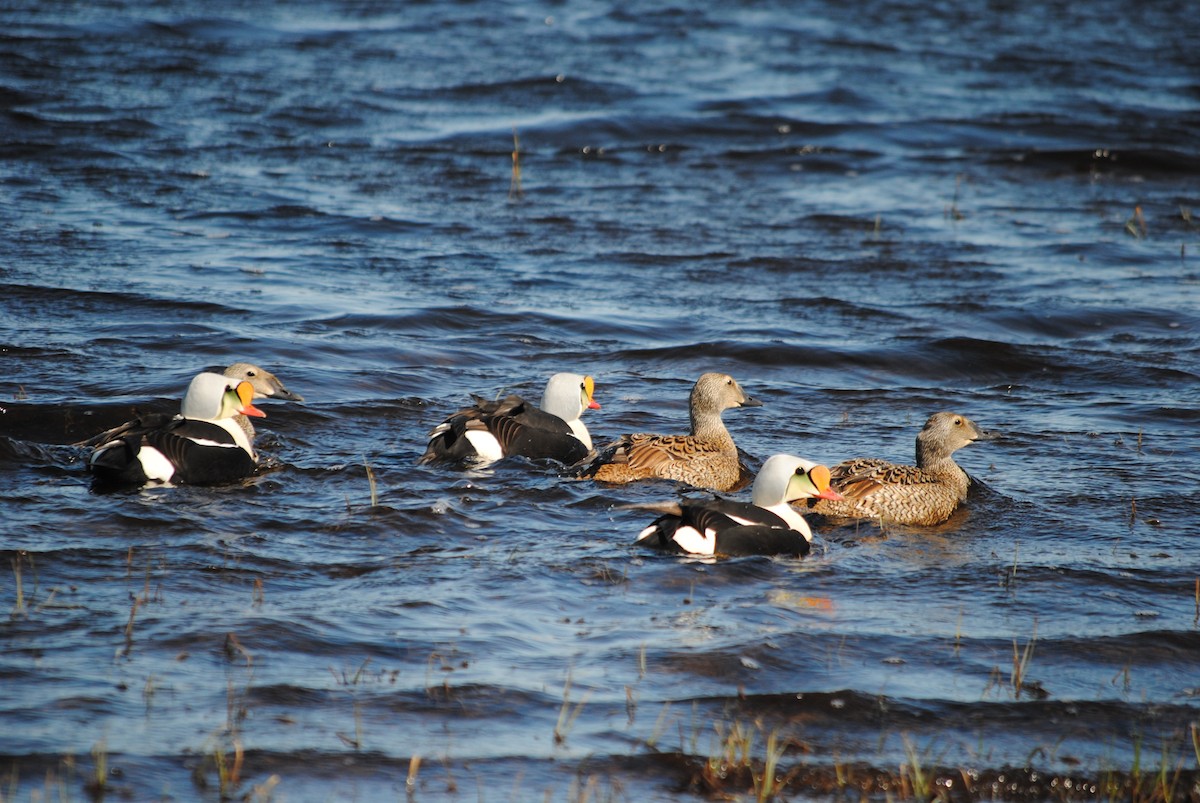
(266, 386)
(766, 526)
(924, 494)
(491, 430)
(707, 458)
(202, 445)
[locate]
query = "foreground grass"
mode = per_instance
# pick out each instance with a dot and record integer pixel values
(737, 768)
(731, 772)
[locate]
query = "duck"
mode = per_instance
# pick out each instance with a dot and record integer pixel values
(768, 525)
(202, 445)
(266, 386)
(489, 431)
(705, 458)
(925, 494)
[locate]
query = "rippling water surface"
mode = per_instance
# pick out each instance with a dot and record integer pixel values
(864, 214)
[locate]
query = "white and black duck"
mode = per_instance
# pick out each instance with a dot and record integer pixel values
(767, 525)
(203, 445)
(491, 430)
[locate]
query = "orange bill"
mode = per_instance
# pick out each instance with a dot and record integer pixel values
(245, 392)
(589, 386)
(820, 480)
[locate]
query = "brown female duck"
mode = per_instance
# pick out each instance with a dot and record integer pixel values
(706, 458)
(924, 494)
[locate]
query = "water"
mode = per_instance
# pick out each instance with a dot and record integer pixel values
(864, 214)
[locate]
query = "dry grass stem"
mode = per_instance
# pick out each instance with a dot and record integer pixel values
(371, 483)
(567, 715)
(514, 186)
(410, 783)
(1021, 661)
(19, 606)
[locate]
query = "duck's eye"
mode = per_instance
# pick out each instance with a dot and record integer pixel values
(958, 422)
(251, 373)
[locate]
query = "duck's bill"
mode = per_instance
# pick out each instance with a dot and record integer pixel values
(245, 392)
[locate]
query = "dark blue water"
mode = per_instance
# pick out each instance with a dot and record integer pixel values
(864, 214)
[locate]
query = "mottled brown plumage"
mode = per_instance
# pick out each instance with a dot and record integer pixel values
(924, 494)
(706, 458)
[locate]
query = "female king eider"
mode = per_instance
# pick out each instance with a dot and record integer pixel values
(202, 445)
(491, 430)
(766, 526)
(924, 494)
(266, 386)
(706, 457)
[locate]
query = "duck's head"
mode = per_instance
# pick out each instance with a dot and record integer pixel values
(212, 397)
(786, 478)
(568, 395)
(266, 384)
(945, 433)
(716, 392)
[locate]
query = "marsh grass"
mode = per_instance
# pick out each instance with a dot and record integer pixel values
(125, 650)
(592, 790)
(566, 714)
(1020, 668)
(24, 598)
(1011, 581)
(410, 781)
(915, 781)
(229, 767)
(733, 763)
(97, 785)
(19, 601)
(660, 726)
(371, 483)
(355, 741)
(352, 682)
(952, 211)
(1135, 226)
(514, 186)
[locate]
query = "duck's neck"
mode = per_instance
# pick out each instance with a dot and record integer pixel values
(246, 425)
(709, 426)
(933, 456)
(581, 432)
(794, 520)
(937, 461)
(243, 434)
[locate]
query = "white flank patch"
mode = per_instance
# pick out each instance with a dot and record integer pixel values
(155, 465)
(698, 543)
(646, 533)
(206, 442)
(485, 445)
